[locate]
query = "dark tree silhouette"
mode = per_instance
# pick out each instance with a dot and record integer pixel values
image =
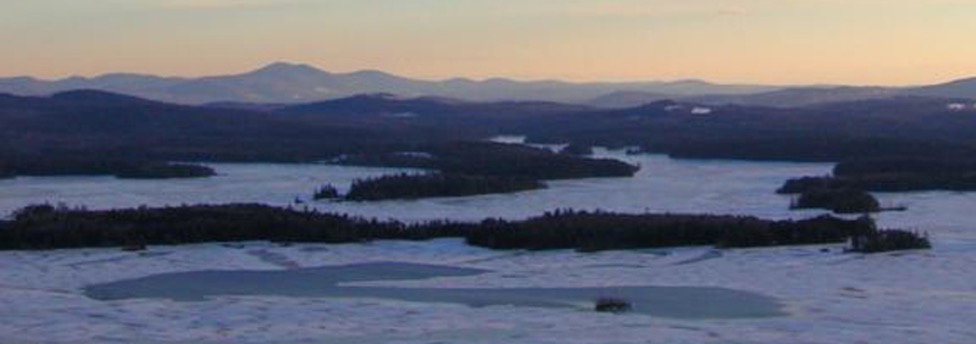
(327, 191)
(889, 240)
(841, 201)
(495, 159)
(413, 186)
(49, 227)
(165, 171)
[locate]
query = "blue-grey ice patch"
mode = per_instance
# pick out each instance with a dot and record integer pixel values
(672, 302)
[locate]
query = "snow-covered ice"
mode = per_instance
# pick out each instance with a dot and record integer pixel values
(662, 185)
(828, 297)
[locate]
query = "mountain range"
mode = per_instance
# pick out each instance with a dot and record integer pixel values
(298, 83)
(289, 83)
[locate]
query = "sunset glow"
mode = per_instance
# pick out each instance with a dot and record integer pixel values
(753, 41)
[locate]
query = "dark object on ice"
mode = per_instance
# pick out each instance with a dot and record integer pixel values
(134, 247)
(612, 305)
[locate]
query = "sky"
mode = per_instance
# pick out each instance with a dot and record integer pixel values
(862, 42)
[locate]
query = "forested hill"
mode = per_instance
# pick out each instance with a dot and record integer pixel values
(91, 132)
(392, 106)
(895, 127)
(94, 124)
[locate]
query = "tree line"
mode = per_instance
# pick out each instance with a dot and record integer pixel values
(889, 240)
(814, 194)
(493, 159)
(825, 133)
(414, 186)
(890, 175)
(50, 227)
(124, 168)
(592, 231)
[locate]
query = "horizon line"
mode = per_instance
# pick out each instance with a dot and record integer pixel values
(475, 79)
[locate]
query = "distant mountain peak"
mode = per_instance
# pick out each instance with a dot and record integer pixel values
(962, 81)
(690, 82)
(961, 88)
(371, 72)
(286, 68)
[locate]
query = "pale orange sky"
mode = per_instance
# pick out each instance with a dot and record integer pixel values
(749, 41)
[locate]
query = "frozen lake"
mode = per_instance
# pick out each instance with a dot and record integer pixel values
(444, 291)
(662, 185)
(477, 295)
